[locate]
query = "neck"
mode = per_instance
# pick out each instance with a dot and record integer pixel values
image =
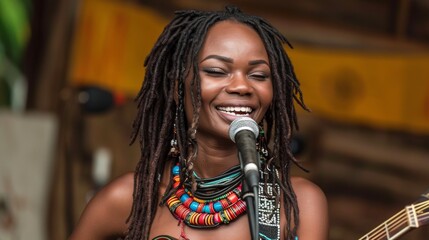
(215, 157)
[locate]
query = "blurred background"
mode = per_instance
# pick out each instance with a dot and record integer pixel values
(69, 70)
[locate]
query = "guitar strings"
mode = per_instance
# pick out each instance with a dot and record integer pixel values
(380, 231)
(381, 228)
(395, 222)
(423, 205)
(423, 215)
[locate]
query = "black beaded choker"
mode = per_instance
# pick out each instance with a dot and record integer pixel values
(211, 188)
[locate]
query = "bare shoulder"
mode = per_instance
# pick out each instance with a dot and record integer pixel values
(313, 209)
(307, 190)
(106, 213)
(119, 191)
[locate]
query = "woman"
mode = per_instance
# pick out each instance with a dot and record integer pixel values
(205, 70)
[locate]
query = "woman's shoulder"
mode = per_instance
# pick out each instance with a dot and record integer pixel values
(313, 209)
(120, 190)
(309, 195)
(106, 213)
(118, 195)
(303, 186)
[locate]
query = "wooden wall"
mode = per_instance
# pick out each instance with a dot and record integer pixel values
(367, 173)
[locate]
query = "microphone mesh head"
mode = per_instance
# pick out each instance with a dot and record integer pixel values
(243, 123)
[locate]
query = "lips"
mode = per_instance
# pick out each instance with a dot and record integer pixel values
(236, 110)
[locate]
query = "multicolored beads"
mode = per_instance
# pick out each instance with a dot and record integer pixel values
(204, 213)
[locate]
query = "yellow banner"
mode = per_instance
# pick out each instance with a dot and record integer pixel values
(386, 90)
(112, 39)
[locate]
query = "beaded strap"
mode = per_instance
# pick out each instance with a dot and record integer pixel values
(269, 210)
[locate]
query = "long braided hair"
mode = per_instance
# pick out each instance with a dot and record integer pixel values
(167, 67)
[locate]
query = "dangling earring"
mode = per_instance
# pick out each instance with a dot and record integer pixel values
(261, 145)
(174, 150)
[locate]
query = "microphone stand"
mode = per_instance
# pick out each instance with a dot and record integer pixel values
(251, 198)
(252, 211)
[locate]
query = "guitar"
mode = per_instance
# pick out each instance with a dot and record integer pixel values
(409, 218)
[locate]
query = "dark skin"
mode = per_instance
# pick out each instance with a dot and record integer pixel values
(235, 72)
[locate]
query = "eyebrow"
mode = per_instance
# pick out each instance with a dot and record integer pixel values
(218, 57)
(230, 60)
(257, 62)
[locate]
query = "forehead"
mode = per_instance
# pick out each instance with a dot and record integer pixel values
(229, 37)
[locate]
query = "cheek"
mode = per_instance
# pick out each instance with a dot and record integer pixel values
(266, 100)
(209, 89)
(266, 95)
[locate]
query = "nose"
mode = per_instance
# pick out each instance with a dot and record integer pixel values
(239, 84)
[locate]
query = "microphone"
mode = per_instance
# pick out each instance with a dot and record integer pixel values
(244, 131)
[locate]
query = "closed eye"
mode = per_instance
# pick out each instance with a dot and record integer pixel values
(259, 76)
(214, 71)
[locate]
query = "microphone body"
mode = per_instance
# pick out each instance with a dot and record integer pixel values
(243, 131)
(248, 157)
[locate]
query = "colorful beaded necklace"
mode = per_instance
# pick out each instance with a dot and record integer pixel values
(216, 200)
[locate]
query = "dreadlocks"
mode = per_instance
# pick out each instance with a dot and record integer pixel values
(167, 67)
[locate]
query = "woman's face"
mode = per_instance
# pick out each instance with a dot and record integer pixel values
(235, 78)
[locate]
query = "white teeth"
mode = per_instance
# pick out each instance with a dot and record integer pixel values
(238, 111)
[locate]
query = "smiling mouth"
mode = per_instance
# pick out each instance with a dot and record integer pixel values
(236, 111)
